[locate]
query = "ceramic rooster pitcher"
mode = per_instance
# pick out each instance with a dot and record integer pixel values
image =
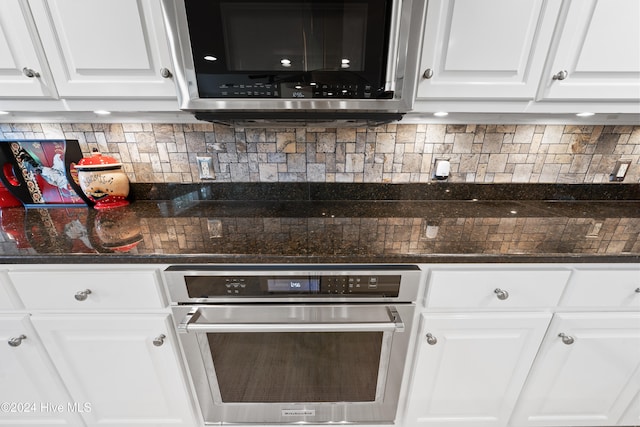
(103, 181)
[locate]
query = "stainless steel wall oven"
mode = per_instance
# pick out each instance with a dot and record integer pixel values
(291, 344)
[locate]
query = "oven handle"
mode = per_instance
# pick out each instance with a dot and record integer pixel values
(188, 324)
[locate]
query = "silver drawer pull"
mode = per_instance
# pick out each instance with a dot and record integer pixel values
(567, 339)
(159, 340)
(501, 294)
(561, 75)
(431, 340)
(82, 295)
(14, 342)
(28, 72)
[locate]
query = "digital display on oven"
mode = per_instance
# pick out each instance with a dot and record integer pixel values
(293, 285)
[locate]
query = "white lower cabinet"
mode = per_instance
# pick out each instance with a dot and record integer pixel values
(31, 394)
(120, 370)
(586, 374)
(470, 367)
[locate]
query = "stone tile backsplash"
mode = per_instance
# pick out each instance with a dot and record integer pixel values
(395, 153)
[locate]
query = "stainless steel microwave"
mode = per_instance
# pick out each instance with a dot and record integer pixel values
(293, 56)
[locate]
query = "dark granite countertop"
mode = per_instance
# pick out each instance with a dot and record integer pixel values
(304, 223)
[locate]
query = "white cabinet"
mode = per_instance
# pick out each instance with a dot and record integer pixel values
(588, 376)
(31, 393)
(108, 334)
(480, 332)
(530, 56)
(598, 46)
(105, 49)
(97, 289)
(122, 369)
(496, 288)
(612, 287)
(471, 367)
(64, 55)
(485, 49)
(20, 49)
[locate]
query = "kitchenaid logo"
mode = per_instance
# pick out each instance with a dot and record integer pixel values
(298, 412)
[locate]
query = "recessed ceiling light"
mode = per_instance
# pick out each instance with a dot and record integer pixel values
(102, 112)
(441, 114)
(585, 114)
(3, 113)
(285, 62)
(210, 58)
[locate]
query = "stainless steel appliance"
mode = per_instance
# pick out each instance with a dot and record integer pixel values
(293, 344)
(252, 61)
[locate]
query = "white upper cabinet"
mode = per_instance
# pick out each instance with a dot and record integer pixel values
(23, 70)
(485, 49)
(109, 49)
(597, 53)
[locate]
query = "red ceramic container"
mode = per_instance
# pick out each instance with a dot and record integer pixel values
(103, 181)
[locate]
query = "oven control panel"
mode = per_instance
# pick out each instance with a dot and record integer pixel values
(292, 285)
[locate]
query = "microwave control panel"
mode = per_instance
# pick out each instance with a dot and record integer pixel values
(234, 86)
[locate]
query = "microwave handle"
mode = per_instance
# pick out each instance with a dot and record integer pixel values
(188, 324)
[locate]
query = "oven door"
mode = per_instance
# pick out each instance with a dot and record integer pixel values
(296, 363)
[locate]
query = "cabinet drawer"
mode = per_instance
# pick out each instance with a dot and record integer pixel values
(495, 288)
(99, 289)
(610, 288)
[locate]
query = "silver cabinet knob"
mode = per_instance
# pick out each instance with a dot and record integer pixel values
(164, 72)
(28, 72)
(501, 294)
(428, 73)
(567, 339)
(431, 340)
(159, 340)
(637, 290)
(82, 295)
(560, 75)
(14, 342)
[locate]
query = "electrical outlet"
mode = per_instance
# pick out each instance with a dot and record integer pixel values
(620, 170)
(205, 167)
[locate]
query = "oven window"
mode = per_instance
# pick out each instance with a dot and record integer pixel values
(297, 366)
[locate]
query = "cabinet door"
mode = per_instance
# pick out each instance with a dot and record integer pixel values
(471, 367)
(112, 364)
(30, 390)
(108, 49)
(599, 48)
(20, 48)
(587, 378)
(485, 49)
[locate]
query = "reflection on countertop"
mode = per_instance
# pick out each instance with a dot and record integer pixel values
(187, 229)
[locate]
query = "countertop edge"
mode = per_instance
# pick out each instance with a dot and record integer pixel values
(276, 259)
